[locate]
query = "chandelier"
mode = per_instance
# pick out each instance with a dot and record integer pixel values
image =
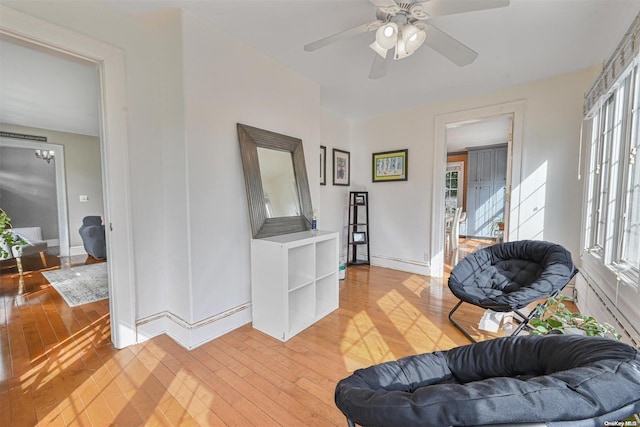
(45, 155)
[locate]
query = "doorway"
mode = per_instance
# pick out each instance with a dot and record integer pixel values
(113, 134)
(58, 183)
(475, 182)
(443, 125)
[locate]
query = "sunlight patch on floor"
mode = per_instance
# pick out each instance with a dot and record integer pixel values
(368, 342)
(418, 331)
(416, 284)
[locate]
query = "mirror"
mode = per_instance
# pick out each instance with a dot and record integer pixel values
(293, 211)
(278, 183)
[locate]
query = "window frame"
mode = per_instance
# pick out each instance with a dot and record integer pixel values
(459, 168)
(607, 185)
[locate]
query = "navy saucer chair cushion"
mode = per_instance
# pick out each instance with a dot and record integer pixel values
(560, 380)
(510, 275)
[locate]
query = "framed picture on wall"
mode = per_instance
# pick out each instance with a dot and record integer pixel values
(323, 165)
(390, 166)
(341, 167)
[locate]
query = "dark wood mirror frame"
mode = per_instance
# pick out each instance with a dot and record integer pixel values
(250, 139)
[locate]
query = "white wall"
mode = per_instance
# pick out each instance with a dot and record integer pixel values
(334, 200)
(172, 220)
(225, 84)
(400, 212)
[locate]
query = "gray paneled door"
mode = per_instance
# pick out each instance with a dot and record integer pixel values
(487, 169)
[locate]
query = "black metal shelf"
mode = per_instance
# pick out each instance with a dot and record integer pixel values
(358, 223)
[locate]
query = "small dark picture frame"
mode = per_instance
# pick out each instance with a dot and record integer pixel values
(323, 165)
(359, 199)
(359, 237)
(341, 167)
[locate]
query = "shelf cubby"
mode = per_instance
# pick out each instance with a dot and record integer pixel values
(326, 258)
(300, 266)
(326, 294)
(302, 307)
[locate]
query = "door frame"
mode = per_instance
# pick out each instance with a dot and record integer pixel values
(514, 171)
(109, 61)
(61, 184)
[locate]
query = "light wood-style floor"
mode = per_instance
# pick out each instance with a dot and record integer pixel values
(58, 367)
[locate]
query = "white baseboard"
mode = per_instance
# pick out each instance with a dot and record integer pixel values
(77, 250)
(192, 335)
(53, 242)
(415, 267)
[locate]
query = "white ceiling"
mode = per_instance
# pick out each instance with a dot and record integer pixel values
(43, 89)
(477, 133)
(527, 41)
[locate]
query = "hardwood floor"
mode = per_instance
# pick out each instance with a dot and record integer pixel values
(58, 367)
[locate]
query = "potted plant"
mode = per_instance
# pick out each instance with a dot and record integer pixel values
(498, 224)
(556, 318)
(7, 238)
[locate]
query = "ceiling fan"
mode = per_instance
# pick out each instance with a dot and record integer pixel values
(404, 26)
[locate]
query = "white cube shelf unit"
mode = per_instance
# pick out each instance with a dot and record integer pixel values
(294, 281)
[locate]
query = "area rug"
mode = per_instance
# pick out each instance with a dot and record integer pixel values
(80, 285)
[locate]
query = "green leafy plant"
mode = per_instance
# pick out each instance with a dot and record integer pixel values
(556, 318)
(7, 238)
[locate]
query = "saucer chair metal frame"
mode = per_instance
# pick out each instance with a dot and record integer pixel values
(509, 276)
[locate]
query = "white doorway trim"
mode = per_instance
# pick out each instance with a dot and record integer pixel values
(61, 186)
(114, 149)
(514, 170)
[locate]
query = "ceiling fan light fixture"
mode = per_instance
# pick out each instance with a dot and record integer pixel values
(387, 35)
(402, 51)
(413, 37)
(378, 49)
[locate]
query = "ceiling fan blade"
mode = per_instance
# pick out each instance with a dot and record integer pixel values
(449, 47)
(380, 66)
(342, 35)
(384, 3)
(447, 7)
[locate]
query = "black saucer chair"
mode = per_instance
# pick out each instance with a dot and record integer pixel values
(507, 277)
(554, 380)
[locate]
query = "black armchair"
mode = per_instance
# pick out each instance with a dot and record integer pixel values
(93, 237)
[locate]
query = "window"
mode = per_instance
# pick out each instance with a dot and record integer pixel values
(631, 216)
(612, 203)
(611, 207)
(453, 182)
